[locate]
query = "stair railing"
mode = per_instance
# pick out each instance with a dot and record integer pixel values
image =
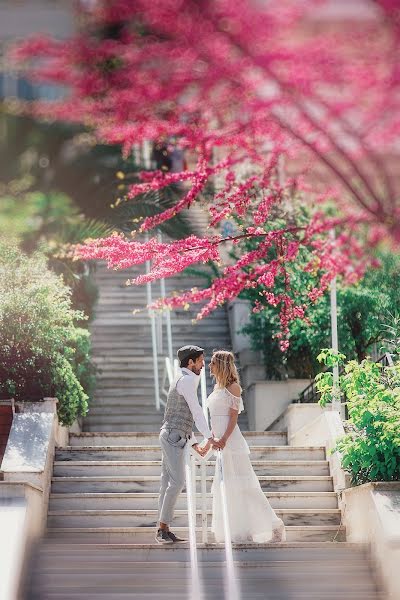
(156, 324)
(310, 393)
(196, 590)
(192, 462)
(232, 591)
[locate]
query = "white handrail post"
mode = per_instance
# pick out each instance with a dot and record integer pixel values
(191, 506)
(153, 336)
(194, 486)
(232, 590)
(176, 367)
(204, 524)
(203, 389)
(170, 372)
(167, 312)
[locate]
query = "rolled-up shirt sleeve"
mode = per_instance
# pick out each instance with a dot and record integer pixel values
(187, 387)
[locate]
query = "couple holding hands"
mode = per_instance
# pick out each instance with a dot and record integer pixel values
(251, 517)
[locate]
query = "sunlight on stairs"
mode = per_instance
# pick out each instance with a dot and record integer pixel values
(103, 511)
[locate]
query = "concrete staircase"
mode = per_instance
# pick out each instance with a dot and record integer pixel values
(124, 398)
(103, 511)
(106, 486)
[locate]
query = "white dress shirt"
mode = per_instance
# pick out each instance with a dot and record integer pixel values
(187, 387)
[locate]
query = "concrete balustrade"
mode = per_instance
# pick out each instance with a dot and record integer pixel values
(27, 468)
(371, 514)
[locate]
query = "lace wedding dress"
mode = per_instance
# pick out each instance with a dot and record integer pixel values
(251, 517)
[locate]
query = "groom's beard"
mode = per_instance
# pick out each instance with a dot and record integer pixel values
(197, 371)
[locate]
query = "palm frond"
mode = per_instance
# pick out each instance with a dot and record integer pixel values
(129, 215)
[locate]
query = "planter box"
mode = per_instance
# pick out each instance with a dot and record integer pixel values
(372, 517)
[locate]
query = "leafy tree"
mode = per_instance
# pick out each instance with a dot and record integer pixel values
(42, 353)
(361, 309)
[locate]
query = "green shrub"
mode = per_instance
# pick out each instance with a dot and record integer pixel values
(42, 353)
(371, 448)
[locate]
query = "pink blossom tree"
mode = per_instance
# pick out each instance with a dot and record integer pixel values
(243, 87)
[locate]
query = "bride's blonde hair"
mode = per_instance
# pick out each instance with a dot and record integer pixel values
(225, 371)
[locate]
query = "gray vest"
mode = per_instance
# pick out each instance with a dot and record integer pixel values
(177, 413)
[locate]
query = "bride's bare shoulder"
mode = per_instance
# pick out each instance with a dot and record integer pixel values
(234, 389)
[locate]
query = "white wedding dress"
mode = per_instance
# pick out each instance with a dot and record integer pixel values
(251, 516)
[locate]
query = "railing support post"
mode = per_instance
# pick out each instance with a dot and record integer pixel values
(195, 592)
(167, 313)
(204, 518)
(232, 589)
(153, 337)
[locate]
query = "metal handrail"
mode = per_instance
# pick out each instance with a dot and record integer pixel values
(311, 395)
(232, 587)
(156, 324)
(196, 591)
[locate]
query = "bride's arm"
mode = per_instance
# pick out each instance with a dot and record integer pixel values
(235, 390)
(233, 417)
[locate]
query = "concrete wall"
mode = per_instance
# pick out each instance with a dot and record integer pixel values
(371, 514)
(239, 316)
(20, 526)
(20, 19)
(27, 469)
(310, 425)
(267, 400)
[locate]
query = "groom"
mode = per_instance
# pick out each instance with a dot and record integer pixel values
(181, 412)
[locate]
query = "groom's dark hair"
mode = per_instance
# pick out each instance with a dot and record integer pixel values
(189, 352)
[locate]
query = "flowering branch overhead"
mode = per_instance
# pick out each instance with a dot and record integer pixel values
(239, 86)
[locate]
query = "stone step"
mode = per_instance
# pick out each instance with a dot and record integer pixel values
(146, 534)
(260, 570)
(124, 409)
(276, 591)
(148, 518)
(153, 421)
(329, 553)
(120, 322)
(113, 347)
(128, 397)
(293, 570)
(149, 438)
(130, 381)
(139, 395)
(149, 500)
(132, 374)
(115, 362)
(170, 570)
(153, 452)
(122, 307)
(124, 427)
(280, 592)
(263, 468)
(151, 483)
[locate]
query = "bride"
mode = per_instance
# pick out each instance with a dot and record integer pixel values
(251, 517)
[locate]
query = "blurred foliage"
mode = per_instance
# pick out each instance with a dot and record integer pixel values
(43, 353)
(370, 450)
(67, 159)
(51, 222)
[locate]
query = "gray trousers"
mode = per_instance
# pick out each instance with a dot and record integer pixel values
(173, 447)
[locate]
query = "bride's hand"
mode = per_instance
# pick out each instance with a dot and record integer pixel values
(219, 444)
